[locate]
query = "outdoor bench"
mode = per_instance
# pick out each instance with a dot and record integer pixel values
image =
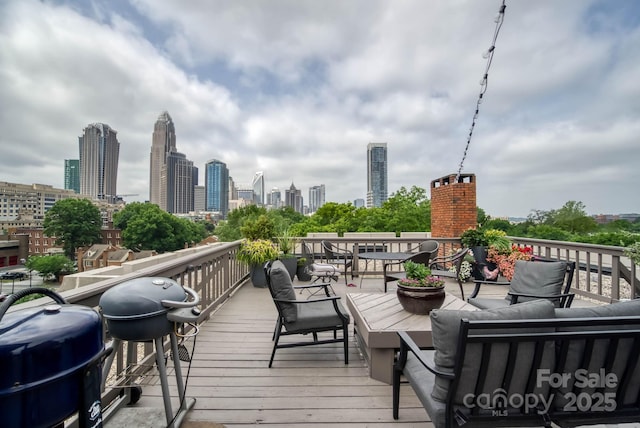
(528, 364)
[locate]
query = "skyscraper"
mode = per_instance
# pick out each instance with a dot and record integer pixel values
(275, 198)
(178, 178)
(99, 152)
(163, 142)
(258, 188)
(376, 174)
(293, 198)
(316, 197)
(216, 182)
(72, 175)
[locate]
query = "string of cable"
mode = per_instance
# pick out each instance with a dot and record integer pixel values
(484, 83)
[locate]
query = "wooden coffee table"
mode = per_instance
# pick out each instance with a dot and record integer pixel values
(377, 317)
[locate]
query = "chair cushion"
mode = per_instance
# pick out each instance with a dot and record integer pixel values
(315, 315)
(486, 303)
(445, 326)
(283, 289)
(538, 278)
(323, 269)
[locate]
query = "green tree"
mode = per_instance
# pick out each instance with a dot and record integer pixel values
(407, 211)
(50, 266)
(498, 223)
(146, 227)
(573, 218)
(75, 223)
(262, 227)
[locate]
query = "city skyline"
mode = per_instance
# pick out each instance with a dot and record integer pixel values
(298, 89)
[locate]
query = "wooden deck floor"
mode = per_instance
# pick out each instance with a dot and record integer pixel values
(306, 387)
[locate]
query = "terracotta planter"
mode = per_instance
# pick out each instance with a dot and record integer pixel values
(420, 300)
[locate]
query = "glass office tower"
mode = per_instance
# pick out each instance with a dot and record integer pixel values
(216, 182)
(377, 191)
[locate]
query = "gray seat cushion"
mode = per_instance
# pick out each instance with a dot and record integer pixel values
(485, 303)
(422, 382)
(283, 289)
(445, 329)
(537, 278)
(318, 314)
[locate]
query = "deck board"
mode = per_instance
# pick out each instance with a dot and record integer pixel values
(306, 387)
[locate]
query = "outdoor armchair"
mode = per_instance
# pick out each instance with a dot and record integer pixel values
(322, 272)
(304, 317)
(532, 279)
(440, 267)
(339, 257)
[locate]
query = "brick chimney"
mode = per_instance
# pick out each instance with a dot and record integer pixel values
(453, 205)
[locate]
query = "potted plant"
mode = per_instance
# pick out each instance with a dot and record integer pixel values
(479, 241)
(420, 292)
(256, 253)
(505, 260)
(286, 244)
(301, 270)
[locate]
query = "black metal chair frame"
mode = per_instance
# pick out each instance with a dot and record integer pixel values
(564, 299)
(324, 276)
(286, 329)
(338, 256)
(440, 266)
(391, 275)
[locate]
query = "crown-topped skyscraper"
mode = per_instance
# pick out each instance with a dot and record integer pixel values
(172, 176)
(162, 143)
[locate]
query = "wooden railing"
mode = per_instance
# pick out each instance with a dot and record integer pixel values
(604, 273)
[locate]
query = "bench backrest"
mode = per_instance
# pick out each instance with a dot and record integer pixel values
(568, 368)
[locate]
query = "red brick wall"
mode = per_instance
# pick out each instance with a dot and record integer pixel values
(453, 205)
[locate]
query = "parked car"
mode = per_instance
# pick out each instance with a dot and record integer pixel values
(13, 275)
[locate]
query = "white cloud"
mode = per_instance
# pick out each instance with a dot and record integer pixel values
(297, 89)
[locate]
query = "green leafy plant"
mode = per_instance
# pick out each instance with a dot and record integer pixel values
(486, 238)
(302, 261)
(474, 238)
(497, 239)
(286, 243)
(419, 275)
(257, 251)
(261, 227)
(633, 252)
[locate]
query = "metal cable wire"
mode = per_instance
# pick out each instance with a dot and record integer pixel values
(484, 82)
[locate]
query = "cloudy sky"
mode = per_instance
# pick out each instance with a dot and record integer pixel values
(298, 88)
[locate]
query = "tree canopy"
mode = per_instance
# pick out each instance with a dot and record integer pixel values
(147, 227)
(50, 266)
(75, 223)
(409, 210)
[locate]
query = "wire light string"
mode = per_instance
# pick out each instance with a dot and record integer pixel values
(484, 83)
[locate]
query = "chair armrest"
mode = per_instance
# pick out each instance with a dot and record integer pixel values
(408, 345)
(301, 302)
(323, 285)
(565, 299)
(318, 285)
(386, 265)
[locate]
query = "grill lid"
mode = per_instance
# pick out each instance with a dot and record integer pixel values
(141, 297)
